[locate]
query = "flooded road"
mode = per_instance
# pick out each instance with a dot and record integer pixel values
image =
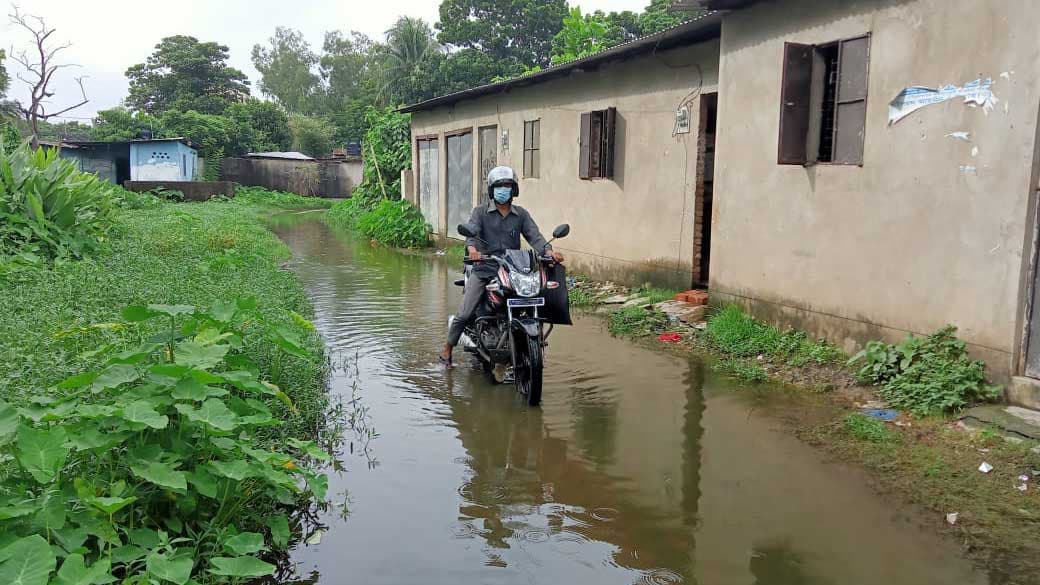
(639, 467)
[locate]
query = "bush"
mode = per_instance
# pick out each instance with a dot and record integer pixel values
(636, 321)
(866, 428)
(395, 223)
(279, 199)
(925, 375)
(733, 331)
(742, 369)
(48, 209)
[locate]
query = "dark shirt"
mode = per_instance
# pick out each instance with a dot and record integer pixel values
(503, 232)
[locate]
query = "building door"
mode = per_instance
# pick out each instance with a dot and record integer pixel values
(429, 181)
(709, 105)
(488, 151)
(460, 180)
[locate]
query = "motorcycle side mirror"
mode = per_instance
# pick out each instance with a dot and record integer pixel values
(466, 231)
(562, 231)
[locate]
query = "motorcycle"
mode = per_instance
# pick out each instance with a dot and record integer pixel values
(508, 328)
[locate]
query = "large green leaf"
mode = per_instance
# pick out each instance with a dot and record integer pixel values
(279, 526)
(240, 567)
(42, 452)
(200, 356)
(213, 412)
(310, 449)
(176, 569)
(18, 510)
(29, 561)
(191, 389)
(115, 376)
(236, 470)
(137, 313)
(161, 474)
(78, 381)
(52, 511)
(112, 505)
(74, 571)
(144, 412)
(204, 482)
(8, 422)
(245, 543)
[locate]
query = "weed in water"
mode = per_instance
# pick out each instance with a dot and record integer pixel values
(866, 428)
(733, 331)
(656, 295)
(636, 321)
(741, 369)
(277, 199)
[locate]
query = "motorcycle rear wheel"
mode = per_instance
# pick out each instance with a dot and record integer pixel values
(528, 369)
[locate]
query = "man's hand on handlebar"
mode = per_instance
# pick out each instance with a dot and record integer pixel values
(474, 253)
(556, 256)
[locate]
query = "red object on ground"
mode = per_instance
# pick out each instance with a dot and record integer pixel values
(670, 337)
(694, 297)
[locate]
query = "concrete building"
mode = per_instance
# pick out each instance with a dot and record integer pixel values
(877, 171)
(334, 177)
(161, 159)
(599, 144)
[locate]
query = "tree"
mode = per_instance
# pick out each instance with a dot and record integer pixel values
(580, 36)
(119, 123)
(258, 126)
(661, 14)
(465, 69)
(8, 108)
(311, 136)
(185, 74)
(515, 33)
(347, 67)
(408, 60)
(39, 73)
(210, 132)
(624, 27)
(286, 70)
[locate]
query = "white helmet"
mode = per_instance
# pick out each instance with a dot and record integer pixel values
(500, 176)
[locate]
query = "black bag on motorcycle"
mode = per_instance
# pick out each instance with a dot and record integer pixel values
(557, 306)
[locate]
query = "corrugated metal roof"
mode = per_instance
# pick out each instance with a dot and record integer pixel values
(704, 27)
(284, 155)
(87, 143)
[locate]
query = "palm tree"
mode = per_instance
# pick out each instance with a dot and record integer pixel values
(410, 46)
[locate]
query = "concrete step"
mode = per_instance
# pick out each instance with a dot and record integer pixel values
(1024, 392)
(1016, 421)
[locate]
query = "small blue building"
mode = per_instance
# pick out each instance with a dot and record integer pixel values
(157, 159)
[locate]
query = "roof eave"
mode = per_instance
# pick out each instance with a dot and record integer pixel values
(703, 28)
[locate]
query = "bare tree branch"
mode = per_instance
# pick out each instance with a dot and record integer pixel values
(40, 71)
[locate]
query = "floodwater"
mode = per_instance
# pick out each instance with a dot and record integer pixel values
(640, 466)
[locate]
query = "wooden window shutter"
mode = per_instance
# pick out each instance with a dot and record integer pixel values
(851, 117)
(608, 143)
(796, 91)
(584, 146)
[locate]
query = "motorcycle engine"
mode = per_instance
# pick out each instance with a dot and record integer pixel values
(490, 335)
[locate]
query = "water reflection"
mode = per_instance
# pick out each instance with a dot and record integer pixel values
(640, 467)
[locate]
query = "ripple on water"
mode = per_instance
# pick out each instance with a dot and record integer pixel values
(464, 530)
(534, 535)
(569, 543)
(661, 577)
(605, 514)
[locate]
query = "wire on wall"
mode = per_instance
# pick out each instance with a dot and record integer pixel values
(687, 101)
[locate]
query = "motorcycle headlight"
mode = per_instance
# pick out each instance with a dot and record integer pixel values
(526, 285)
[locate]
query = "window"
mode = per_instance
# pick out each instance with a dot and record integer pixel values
(823, 108)
(596, 146)
(532, 157)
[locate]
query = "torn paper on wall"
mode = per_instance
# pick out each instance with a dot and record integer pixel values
(911, 99)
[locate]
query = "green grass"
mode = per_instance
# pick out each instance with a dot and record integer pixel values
(656, 295)
(866, 428)
(742, 369)
(190, 254)
(734, 332)
(455, 253)
(636, 322)
(278, 199)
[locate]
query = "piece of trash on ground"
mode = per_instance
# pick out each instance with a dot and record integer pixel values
(959, 135)
(985, 467)
(315, 538)
(900, 423)
(885, 414)
(951, 518)
(670, 337)
(1023, 477)
(1023, 487)
(983, 450)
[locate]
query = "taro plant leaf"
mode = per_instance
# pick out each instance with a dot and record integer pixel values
(310, 449)
(210, 335)
(204, 482)
(279, 526)
(288, 340)
(78, 381)
(17, 510)
(240, 567)
(29, 561)
(172, 310)
(112, 505)
(127, 554)
(236, 470)
(196, 355)
(213, 412)
(176, 569)
(318, 484)
(42, 452)
(191, 389)
(143, 412)
(52, 513)
(74, 571)
(222, 311)
(70, 537)
(8, 422)
(161, 474)
(137, 313)
(115, 376)
(245, 543)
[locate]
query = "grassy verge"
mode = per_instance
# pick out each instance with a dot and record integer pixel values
(153, 395)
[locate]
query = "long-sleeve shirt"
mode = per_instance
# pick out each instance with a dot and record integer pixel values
(503, 232)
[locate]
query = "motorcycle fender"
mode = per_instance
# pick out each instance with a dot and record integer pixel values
(530, 327)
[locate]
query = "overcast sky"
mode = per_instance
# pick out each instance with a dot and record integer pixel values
(108, 36)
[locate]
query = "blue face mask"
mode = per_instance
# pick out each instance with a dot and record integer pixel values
(503, 195)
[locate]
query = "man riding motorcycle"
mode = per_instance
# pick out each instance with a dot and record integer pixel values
(497, 227)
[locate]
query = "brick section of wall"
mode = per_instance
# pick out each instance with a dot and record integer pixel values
(698, 201)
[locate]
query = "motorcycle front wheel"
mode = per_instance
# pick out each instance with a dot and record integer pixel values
(528, 369)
